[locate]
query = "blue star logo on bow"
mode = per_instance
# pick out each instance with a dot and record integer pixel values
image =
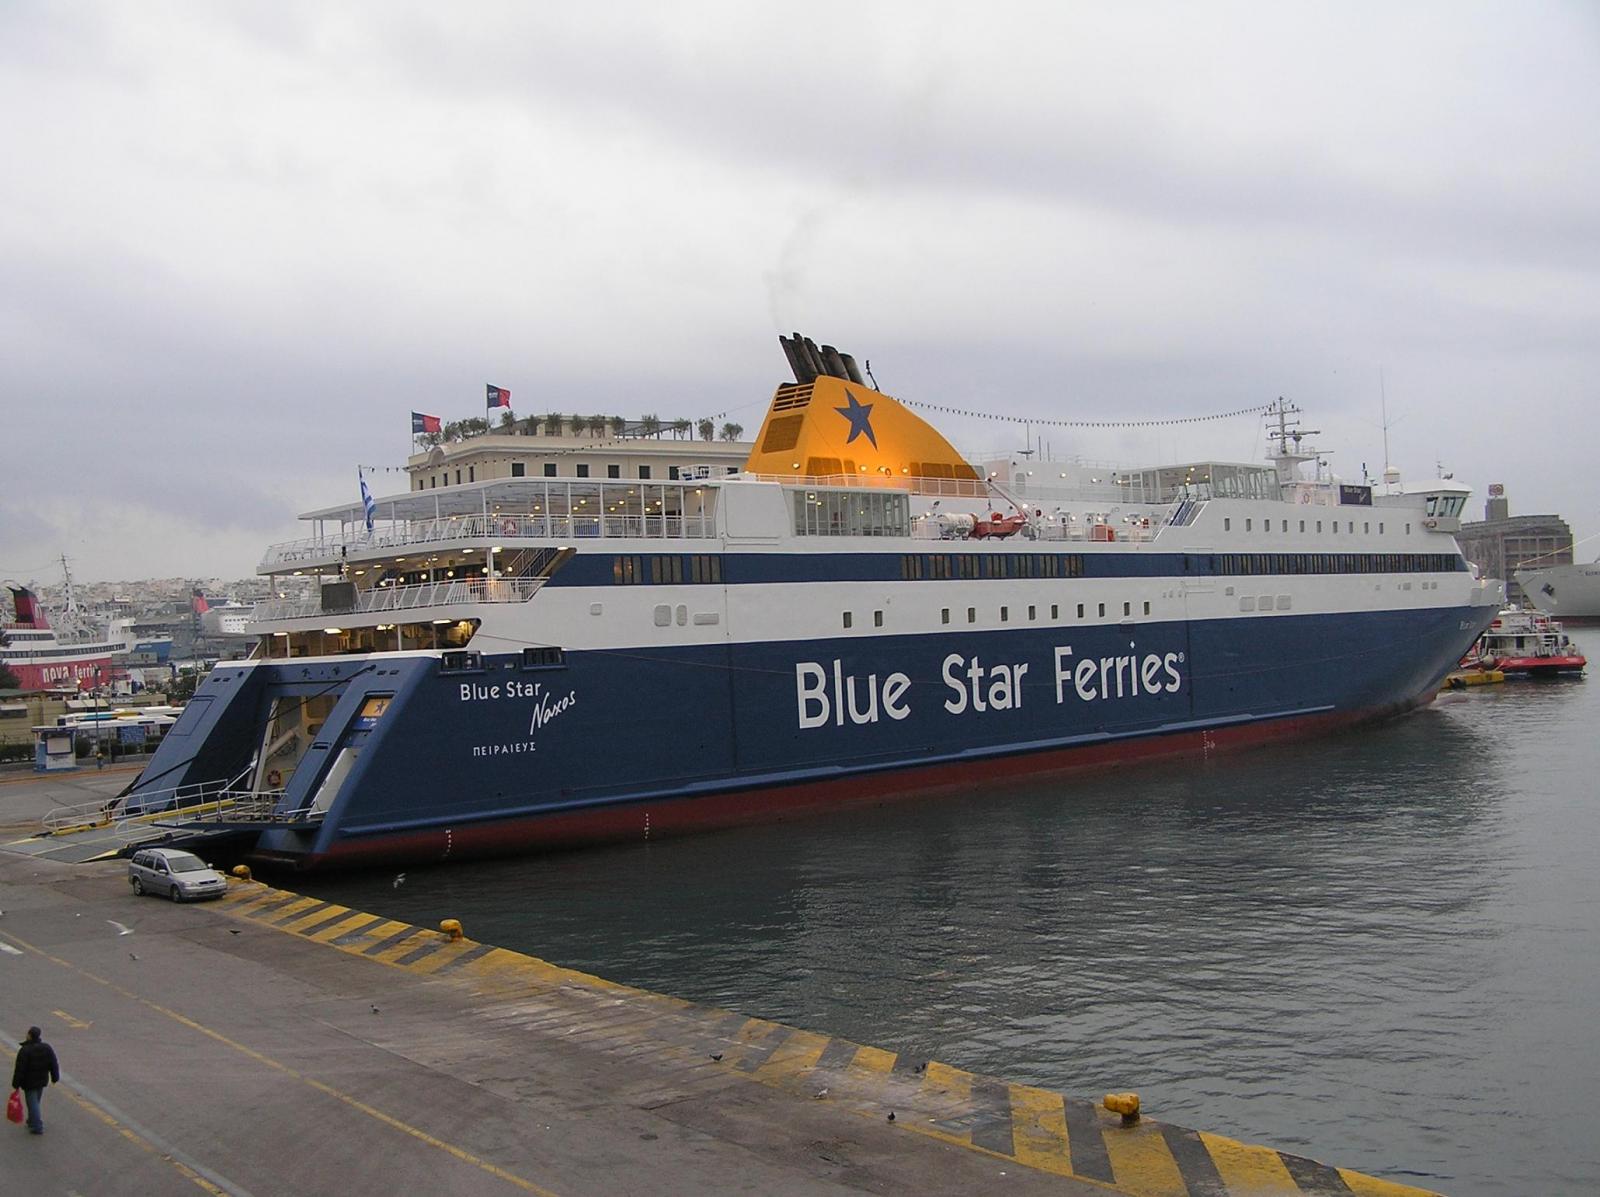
(860, 417)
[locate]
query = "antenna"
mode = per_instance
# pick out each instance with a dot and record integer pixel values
(874, 381)
(1383, 416)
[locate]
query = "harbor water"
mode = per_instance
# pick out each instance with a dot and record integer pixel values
(1381, 948)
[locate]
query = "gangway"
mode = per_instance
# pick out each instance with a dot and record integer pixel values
(187, 816)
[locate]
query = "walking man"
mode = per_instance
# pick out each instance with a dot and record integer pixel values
(35, 1068)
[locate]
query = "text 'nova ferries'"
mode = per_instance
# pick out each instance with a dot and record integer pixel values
(521, 662)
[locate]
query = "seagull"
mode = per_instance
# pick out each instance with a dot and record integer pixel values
(131, 956)
(375, 1009)
(233, 930)
(122, 928)
(820, 1094)
(891, 1115)
(399, 880)
(716, 1055)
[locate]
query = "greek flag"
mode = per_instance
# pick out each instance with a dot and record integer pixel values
(367, 503)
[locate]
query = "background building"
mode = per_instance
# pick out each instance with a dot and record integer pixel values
(1502, 543)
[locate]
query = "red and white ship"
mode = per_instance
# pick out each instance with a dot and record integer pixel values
(42, 659)
(1523, 643)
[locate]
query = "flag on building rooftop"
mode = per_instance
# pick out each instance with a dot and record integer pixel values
(421, 423)
(499, 397)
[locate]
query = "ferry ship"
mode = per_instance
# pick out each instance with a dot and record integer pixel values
(860, 613)
(1569, 591)
(43, 658)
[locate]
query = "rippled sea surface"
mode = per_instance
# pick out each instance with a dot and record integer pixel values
(1381, 949)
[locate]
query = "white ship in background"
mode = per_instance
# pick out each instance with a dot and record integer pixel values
(1571, 592)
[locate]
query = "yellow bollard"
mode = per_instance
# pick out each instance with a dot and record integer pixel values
(451, 928)
(1126, 1104)
(242, 872)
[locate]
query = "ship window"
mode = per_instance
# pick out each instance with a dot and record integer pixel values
(1227, 525)
(518, 469)
(1247, 603)
(877, 619)
(1408, 529)
(1380, 527)
(582, 469)
(1302, 525)
(644, 473)
(1055, 611)
(1080, 610)
(462, 661)
(549, 469)
(1247, 525)
(1285, 527)
(1033, 614)
(663, 615)
(1102, 610)
(1319, 525)
(849, 618)
(613, 471)
(458, 477)
(672, 473)
(544, 657)
(972, 615)
(1127, 608)
(1366, 528)
(944, 615)
(1005, 614)
(1147, 608)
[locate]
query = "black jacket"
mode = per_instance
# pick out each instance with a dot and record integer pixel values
(36, 1064)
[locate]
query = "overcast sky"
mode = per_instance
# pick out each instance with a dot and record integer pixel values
(239, 243)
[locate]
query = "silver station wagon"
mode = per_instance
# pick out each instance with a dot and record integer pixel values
(181, 876)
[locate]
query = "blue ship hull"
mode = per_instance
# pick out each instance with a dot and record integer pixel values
(635, 743)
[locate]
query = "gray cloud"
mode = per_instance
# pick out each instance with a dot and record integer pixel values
(241, 243)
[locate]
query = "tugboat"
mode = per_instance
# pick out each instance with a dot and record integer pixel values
(1521, 643)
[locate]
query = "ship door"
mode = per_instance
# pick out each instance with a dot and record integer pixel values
(293, 722)
(351, 744)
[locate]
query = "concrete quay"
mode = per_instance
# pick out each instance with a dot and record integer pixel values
(271, 1043)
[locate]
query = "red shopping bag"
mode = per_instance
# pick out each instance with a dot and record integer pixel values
(14, 1106)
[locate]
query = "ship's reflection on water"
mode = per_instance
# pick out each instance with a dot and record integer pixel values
(1379, 948)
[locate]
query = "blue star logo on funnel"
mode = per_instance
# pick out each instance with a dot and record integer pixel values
(860, 417)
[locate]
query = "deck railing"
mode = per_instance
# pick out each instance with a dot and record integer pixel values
(546, 511)
(405, 598)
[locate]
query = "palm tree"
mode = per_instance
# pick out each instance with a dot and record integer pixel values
(507, 420)
(597, 425)
(530, 426)
(579, 423)
(732, 432)
(650, 425)
(552, 423)
(618, 425)
(707, 429)
(681, 429)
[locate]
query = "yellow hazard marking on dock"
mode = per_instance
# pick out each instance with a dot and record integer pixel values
(1039, 1129)
(1246, 1168)
(1142, 1163)
(76, 1024)
(799, 1053)
(1035, 1128)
